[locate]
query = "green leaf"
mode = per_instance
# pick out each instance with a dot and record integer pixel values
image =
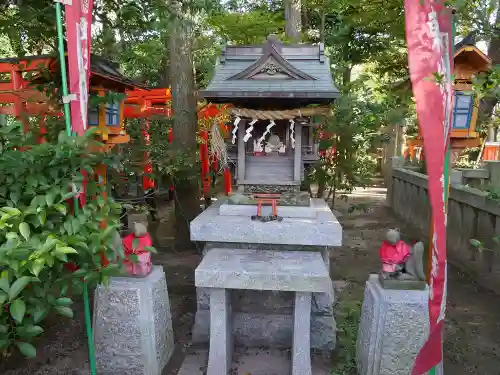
(18, 286)
(24, 229)
(151, 249)
(17, 310)
(4, 281)
(61, 256)
(26, 349)
(39, 315)
(475, 243)
(14, 197)
(3, 298)
(4, 328)
(11, 211)
(66, 250)
(110, 269)
(61, 208)
(64, 311)
(49, 244)
(42, 217)
(63, 301)
(29, 331)
(37, 266)
(134, 258)
(68, 227)
(50, 198)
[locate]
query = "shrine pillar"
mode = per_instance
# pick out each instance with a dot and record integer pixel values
(297, 159)
(241, 151)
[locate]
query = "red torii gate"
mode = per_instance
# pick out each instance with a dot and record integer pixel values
(146, 103)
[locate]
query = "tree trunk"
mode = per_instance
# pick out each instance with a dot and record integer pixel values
(166, 62)
(293, 25)
(488, 104)
(187, 205)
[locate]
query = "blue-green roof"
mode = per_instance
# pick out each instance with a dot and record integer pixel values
(272, 70)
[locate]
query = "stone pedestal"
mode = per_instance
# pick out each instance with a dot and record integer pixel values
(265, 318)
(394, 326)
(297, 272)
(132, 325)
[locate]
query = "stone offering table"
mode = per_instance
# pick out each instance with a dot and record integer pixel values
(314, 225)
(300, 272)
(394, 326)
(265, 317)
(133, 326)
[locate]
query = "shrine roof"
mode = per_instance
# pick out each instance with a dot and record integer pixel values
(272, 70)
(100, 66)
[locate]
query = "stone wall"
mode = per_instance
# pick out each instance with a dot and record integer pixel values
(471, 215)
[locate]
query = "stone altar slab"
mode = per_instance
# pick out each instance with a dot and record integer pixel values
(394, 326)
(264, 270)
(132, 325)
(322, 230)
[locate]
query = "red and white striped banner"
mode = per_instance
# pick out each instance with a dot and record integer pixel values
(429, 39)
(78, 30)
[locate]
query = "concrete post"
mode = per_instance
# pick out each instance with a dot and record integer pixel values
(395, 162)
(493, 168)
(456, 177)
(241, 151)
(311, 138)
(297, 160)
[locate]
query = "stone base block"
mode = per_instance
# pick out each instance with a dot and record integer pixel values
(394, 326)
(269, 330)
(254, 361)
(132, 325)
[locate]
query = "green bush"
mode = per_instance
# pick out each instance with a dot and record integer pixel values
(46, 247)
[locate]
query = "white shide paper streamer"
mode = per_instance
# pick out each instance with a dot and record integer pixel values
(292, 132)
(235, 129)
(248, 134)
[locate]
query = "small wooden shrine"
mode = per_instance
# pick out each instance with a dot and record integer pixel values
(25, 92)
(469, 61)
(270, 89)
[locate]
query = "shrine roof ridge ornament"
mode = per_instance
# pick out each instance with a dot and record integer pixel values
(271, 62)
(272, 70)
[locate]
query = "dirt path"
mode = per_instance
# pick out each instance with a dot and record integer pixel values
(472, 330)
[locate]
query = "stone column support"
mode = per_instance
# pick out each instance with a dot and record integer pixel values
(221, 339)
(301, 349)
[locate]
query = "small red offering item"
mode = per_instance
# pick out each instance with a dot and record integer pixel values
(143, 266)
(392, 255)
